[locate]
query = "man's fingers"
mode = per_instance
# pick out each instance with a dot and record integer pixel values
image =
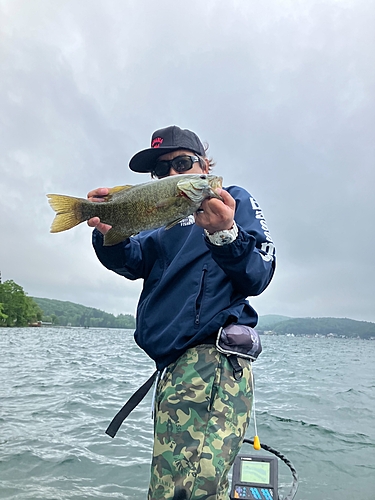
(228, 200)
(94, 222)
(97, 194)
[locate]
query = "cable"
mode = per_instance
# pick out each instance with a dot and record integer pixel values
(256, 442)
(294, 487)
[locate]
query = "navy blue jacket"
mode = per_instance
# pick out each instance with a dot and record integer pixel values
(191, 288)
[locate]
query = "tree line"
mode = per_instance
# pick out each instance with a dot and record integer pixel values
(333, 327)
(18, 309)
(65, 313)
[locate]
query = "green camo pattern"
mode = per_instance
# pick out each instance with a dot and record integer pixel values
(201, 416)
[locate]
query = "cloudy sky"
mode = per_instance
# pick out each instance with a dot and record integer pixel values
(282, 90)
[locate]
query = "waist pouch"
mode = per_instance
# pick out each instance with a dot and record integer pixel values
(240, 340)
(233, 340)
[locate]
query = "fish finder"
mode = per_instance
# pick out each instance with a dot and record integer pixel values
(255, 478)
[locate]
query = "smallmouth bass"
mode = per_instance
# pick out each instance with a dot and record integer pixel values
(131, 209)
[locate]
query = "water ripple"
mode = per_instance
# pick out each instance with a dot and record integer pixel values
(59, 389)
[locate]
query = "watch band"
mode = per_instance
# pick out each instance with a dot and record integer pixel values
(224, 237)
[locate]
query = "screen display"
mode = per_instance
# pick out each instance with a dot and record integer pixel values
(255, 472)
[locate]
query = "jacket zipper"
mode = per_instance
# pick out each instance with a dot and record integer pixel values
(198, 302)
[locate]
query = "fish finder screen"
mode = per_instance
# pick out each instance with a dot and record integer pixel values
(255, 472)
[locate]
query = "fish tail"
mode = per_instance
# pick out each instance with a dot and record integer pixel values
(68, 210)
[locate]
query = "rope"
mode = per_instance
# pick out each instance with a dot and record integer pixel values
(294, 487)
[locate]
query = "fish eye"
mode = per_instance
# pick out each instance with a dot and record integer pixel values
(203, 176)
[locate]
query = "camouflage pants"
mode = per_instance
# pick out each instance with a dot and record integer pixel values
(201, 415)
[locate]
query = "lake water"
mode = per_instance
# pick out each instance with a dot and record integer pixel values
(59, 388)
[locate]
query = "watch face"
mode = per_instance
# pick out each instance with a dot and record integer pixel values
(224, 237)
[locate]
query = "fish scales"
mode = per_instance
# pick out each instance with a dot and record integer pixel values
(140, 207)
(131, 209)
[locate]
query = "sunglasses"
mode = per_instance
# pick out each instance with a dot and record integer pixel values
(179, 164)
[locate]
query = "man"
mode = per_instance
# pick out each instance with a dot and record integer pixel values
(197, 276)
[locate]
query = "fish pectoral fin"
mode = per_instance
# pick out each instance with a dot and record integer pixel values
(115, 190)
(114, 236)
(174, 222)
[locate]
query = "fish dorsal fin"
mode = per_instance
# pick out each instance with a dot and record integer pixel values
(117, 189)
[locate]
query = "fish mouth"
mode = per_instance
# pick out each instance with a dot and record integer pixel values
(216, 182)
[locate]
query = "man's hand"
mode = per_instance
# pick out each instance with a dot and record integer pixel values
(216, 215)
(97, 195)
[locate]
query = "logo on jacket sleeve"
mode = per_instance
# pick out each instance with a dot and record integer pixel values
(157, 142)
(267, 248)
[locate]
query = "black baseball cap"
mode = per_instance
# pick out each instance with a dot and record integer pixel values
(164, 141)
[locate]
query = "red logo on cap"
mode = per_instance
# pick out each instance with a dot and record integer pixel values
(156, 143)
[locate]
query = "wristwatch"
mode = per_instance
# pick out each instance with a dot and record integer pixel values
(224, 237)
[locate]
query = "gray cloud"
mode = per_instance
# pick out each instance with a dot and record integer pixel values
(282, 91)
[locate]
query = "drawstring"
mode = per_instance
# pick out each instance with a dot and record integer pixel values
(159, 378)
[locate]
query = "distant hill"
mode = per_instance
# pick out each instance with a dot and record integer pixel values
(268, 321)
(63, 313)
(333, 327)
